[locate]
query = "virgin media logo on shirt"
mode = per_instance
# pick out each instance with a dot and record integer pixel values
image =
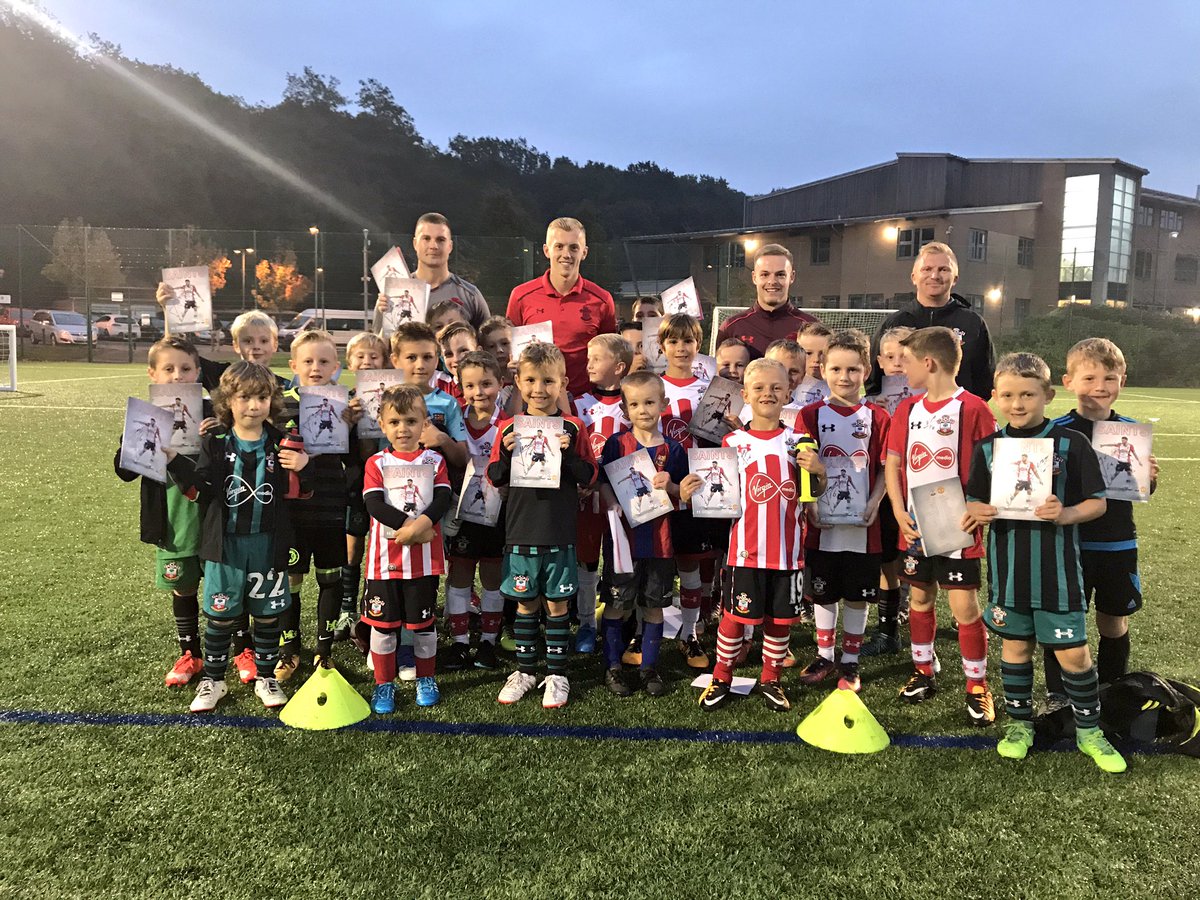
(920, 457)
(675, 429)
(598, 441)
(763, 488)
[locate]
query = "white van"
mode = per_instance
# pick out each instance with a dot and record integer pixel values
(343, 324)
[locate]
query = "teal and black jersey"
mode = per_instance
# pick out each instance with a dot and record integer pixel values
(1037, 565)
(249, 496)
(326, 508)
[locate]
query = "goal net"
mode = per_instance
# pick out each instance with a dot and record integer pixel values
(866, 319)
(8, 358)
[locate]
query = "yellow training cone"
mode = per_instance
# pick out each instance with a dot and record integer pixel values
(325, 701)
(843, 724)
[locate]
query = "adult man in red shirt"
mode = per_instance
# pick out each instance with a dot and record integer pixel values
(577, 308)
(772, 318)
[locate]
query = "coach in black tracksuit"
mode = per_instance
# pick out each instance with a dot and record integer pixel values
(934, 274)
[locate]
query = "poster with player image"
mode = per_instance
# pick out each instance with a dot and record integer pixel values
(1022, 476)
(894, 391)
(537, 456)
(390, 265)
(145, 439)
(704, 366)
(409, 489)
(479, 501)
(849, 486)
(656, 360)
(524, 335)
(1124, 452)
(682, 298)
(810, 390)
(185, 403)
(630, 478)
(369, 386)
(937, 508)
(321, 423)
(190, 306)
(407, 298)
(722, 401)
(721, 495)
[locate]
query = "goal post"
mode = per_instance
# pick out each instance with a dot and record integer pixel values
(866, 319)
(8, 358)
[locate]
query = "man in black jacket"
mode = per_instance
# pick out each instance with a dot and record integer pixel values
(934, 274)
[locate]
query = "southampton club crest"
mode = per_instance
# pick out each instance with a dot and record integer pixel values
(520, 584)
(910, 565)
(742, 603)
(172, 571)
(220, 602)
(944, 425)
(818, 585)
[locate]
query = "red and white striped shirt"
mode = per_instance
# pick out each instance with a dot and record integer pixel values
(386, 558)
(683, 396)
(770, 533)
(603, 417)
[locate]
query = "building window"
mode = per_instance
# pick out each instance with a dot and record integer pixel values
(1145, 215)
(1143, 264)
(711, 256)
(1081, 199)
(858, 301)
(1186, 268)
(819, 250)
(1025, 252)
(978, 248)
(898, 299)
(737, 255)
(976, 301)
(1021, 311)
(909, 241)
(1169, 220)
(831, 301)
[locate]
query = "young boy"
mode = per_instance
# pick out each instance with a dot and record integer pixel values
(791, 356)
(650, 585)
(404, 558)
(456, 340)
(415, 354)
(172, 523)
(246, 530)
(679, 335)
(891, 612)
(931, 438)
(646, 307)
(1095, 375)
(765, 548)
(814, 340)
(843, 560)
(1034, 571)
(732, 358)
(602, 413)
(539, 569)
(445, 313)
(632, 332)
(480, 376)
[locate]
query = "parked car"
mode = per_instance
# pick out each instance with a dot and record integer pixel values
(342, 324)
(112, 327)
(52, 326)
(218, 334)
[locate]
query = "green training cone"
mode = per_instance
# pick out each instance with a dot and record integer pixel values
(843, 724)
(325, 701)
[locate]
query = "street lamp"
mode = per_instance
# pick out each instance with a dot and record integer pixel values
(243, 254)
(316, 233)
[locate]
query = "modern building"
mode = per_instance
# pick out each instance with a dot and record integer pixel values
(1029, 234)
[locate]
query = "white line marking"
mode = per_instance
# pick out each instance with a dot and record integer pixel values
(1178, 458)
(1154, 397)
(71, 408)
(82, 378)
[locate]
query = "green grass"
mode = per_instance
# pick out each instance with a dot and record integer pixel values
(95, 811)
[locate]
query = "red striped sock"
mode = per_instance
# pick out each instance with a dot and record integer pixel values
(729, 642)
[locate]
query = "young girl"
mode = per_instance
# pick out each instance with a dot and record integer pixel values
(242, 480)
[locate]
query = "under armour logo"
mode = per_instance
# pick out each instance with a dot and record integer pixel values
(915, 426)
(277, 604)
(568, 588)
(230, 456)
(556, 651)
(763, 488)
(955, 576)
(1061, 633)
(236, 487)
(829, 428)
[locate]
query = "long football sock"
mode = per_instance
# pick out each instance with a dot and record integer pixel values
(614, 640)
(425, 649)
(689, 603)
(774, 648)
(585, 602)
(558, 638)
(652, 635)
(383, 655)
(217, 634)
(329, 604)
(826, 615)
(972, 642)
(525, 631)
(350, 581)
(491, 604)
(186, 611)
(242, 635)
(266, 646)
(729, 642)
(1017, 679)
(922, 626)
(1112, 658)
(458, 603)
(1054, 676)
(854, 625)
(1084, 690)
(889, 611)
(290, 625)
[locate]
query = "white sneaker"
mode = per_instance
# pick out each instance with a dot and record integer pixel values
(208, 694)
(516, 686)
(270, 693)
(407, 673)
(557, 689)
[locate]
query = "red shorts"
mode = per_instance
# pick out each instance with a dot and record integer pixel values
(590, 528)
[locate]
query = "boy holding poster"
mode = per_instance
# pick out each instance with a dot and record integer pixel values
(843, 560)
(539, 569)
(930, 438)
(1095, 375)
(650, 584)
(1034, 570)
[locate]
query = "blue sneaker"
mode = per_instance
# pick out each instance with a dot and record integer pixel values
(427, 691)
(585, 640)
(383, 701)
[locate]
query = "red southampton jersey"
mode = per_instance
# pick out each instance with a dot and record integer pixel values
(770, 533)
(386, 558)
(603, 417)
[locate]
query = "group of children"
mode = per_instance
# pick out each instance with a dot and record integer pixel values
(267, 509)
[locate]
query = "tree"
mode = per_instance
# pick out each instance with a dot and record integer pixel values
(376, 100)
(516, 155)
(194, 250)
(313, 90)
(280, 285)
(80, 255)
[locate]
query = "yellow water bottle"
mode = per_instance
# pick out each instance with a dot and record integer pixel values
(806, 479)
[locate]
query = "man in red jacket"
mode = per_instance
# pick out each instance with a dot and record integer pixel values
(771, 318)
(577, 308)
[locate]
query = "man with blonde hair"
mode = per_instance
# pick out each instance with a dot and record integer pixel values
(934, 274)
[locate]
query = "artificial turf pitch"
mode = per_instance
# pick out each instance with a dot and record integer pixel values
(606, 797)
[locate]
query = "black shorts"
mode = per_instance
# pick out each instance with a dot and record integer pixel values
(716, 489)
(691, 537)
(325, 546)
(642, 492)
(757, 594)
(842, 575)
(475, 542)
(400, 603)
(649, 586)
(889, 532)
(951, 574)
(1123, 467)
(1025, 486)
(182, 426)
(1112, 582)
(537, 457)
